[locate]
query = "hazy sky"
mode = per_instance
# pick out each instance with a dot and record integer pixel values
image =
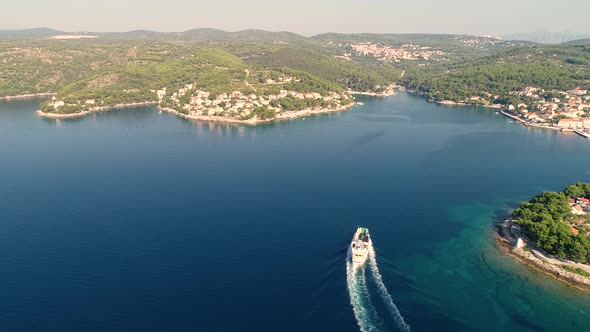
(302, 16)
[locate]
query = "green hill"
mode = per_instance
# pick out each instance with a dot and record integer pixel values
(213, 70)
(548, 67)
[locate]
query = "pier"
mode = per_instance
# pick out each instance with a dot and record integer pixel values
(582, 133)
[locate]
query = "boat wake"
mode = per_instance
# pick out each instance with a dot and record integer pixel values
(397, 316)
(364, 311)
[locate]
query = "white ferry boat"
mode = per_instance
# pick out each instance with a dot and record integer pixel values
(359, 246)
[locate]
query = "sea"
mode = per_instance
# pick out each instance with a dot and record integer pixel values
(136, 220)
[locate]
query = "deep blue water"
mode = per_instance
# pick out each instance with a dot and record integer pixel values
(134, 220)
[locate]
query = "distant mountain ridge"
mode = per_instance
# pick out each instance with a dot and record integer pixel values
(199, 33)
(217, 34)
(547, 37)
(30, 33)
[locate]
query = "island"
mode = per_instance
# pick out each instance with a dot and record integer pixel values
(550, 234)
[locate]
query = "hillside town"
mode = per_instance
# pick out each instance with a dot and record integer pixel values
(486, 41)
(480, 41)
(390, 54)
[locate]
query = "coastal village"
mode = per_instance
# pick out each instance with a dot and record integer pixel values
(570, 107)
(561, 110)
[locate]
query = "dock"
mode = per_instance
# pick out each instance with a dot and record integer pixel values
(513, 117)
(582, 133)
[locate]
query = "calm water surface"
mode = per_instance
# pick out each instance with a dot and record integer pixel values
(134, 220)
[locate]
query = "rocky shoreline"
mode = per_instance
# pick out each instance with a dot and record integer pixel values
(534, 257)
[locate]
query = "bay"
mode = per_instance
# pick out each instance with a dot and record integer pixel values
(138, 220)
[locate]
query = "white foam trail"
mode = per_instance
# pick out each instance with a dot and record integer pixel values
(365, 314)
(397, 316)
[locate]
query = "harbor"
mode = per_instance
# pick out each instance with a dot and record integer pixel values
(581, 132)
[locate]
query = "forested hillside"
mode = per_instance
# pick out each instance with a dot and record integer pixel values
(129, 66)
(547, 67)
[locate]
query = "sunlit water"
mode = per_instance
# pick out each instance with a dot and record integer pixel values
(136, 220)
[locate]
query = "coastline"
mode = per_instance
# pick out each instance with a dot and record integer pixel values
(535, 258)
(389, 91)
(57, 116)
(374, 94)
(503, 112)
(285, 115)
(454, 103)
(525, 123)
(28, 96)
(448, 102)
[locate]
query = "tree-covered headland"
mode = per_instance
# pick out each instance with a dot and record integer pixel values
(549, 222)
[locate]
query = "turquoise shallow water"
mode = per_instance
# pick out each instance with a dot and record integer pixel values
(136, 220)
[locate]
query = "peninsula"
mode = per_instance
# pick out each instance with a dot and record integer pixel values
(211, 85)
(550, 234)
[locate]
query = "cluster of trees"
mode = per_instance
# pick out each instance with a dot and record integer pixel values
(263, 112)
(544, 220)
(579, 189)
